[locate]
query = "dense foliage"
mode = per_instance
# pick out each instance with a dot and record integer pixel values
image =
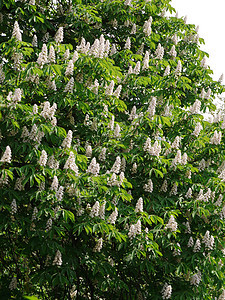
(111, 178)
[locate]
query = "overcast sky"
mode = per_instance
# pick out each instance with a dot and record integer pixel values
(209, 15)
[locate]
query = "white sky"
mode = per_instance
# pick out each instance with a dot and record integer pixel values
(210, 17)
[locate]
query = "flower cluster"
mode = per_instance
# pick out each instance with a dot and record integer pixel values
(134, 229)
(166, 291)
(172, 224)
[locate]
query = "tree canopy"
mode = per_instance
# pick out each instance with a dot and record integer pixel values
(112, 180)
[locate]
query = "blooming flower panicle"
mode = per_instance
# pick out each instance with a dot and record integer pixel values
(116, 166)
(68, 140)
(172, 224)
(148, 187)
(127, 44)
(7, 155)
(94, 167)
(51, 55)
(13, 284)
(112, 218)
(98, 245)
(59, 35)
(13, 207)
(166, 291)
(34, 41)
(16, 32)
(43, 158)
(58, 259)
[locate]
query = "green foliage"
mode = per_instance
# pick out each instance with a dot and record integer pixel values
(72, 223)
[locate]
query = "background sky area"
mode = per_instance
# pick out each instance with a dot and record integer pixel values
(209, 15)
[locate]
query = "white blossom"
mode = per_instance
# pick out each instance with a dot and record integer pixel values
(113, 50)
(69, 86)
(134, 168)
(152, 106)
(134, 229)
(190, 242)
(7, 155)
(216, 138)
(134, 29)
(208, 240)
(139, 205)
(133, 113)
(219, 200)
(117, 131)
(102, 155)
(53, 163)
(59, 35)
(98, 245)
(164, 186)
(34, 41)
(94, 167)
(195, 108)
(172, 224)
(177, 252)
(75, 56)
(177, 160)
(149, 186)
(203, 63)
(175, 39)
(88, 151)
(117, 91)
(55, 184)
(70, 164)
(127, 44)
(188, 227)
(173, 52)
(195, 279)
(68, 140)
(123, 165)
(69, 68)
(208, 94)
(59, 193)
(13, 284)
(95, 210)
(13, 207)
(111, 123)
(49, 225)
(189, 193)
(66, 54)
(102, 210)
(159, 53)
(109, 89)
(147, 27)
(43, 158)
(16, 32)
(176, 143)
(197, 246)
(174, 189)
(166, 291)
(167, 71)
(197, 130)
(221, 79)
(184, 159)
(116, 166)
(43, 56)
(112, 218)
(2, 74)
(222, 295)
(58, 259)
(146, 61)
(35, 213)
(178, 68)
(202, 165)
